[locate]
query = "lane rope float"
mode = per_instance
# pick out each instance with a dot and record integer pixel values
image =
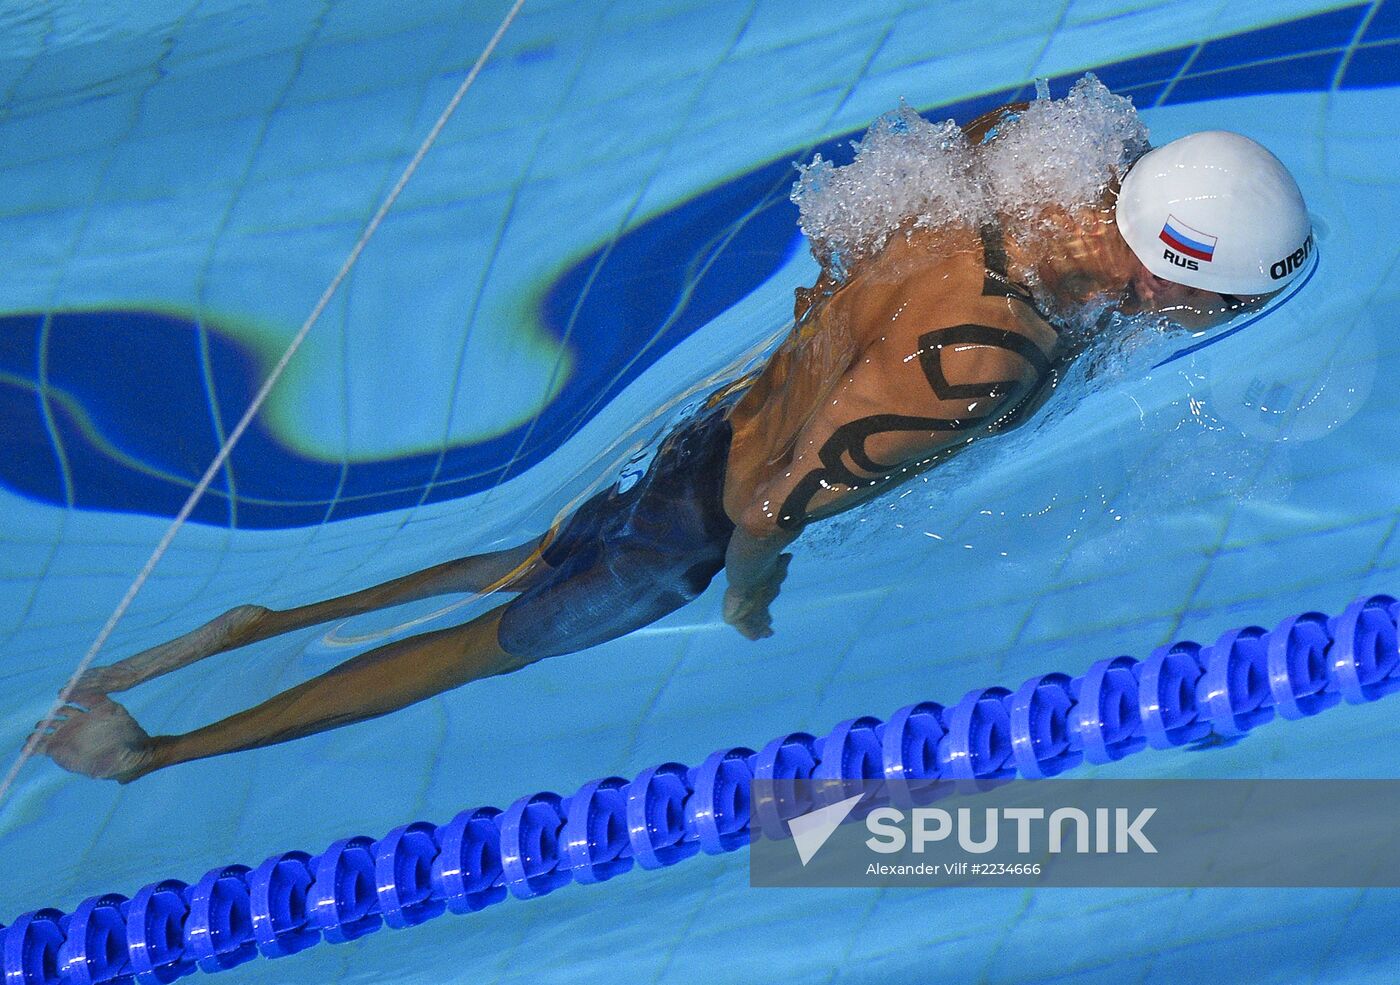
(1180, 694)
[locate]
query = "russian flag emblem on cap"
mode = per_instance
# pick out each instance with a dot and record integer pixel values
(1182, 238)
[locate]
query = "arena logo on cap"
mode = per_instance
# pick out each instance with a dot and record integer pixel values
(1282, 268)
(1183, 239)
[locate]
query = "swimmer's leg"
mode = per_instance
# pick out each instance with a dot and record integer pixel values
(247, 624)
(563, 611)
(95, 736)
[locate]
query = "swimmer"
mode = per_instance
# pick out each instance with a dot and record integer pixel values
(941, 336)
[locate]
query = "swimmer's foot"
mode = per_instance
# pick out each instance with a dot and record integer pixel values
(234, 628)
(95, 736)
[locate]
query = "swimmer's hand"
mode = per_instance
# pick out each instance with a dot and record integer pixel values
(746, 608)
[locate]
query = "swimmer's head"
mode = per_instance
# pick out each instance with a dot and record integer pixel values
(1217, 224)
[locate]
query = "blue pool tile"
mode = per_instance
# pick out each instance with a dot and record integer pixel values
(222, 36)
(829, 63)
(66, 130)
(195, 158)
(1355, 495)
(1142, 595)
(355, 21)
(1385, 23)
(1240, 949)
(1279, 575)
(284, 150)
(1144, 97)
(1160, 67)
(1332, 30)
(69, 73)
(926, 35)
(1305, 74)
(640, 59)
(932, 83)
(248, 88)
(1373, 67)
(1100, 935)
(771, 26)
(40, 187)
(965, 110)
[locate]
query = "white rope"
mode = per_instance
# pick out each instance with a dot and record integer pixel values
(258, 400)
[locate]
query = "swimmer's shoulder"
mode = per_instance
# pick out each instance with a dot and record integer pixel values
(915, 266)
(979, 333)
(924, 280)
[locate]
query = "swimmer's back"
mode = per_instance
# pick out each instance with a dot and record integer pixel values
(936, 350)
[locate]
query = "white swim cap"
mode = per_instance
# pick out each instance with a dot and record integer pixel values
(1216, 211)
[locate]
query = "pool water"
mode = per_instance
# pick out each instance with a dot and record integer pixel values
(601, 231)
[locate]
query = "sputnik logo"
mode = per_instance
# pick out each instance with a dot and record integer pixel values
(810, 831)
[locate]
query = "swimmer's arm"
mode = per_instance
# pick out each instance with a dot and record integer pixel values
(755, 567)
(751, 560)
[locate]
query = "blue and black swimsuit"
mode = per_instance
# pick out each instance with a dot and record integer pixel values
(629, 556)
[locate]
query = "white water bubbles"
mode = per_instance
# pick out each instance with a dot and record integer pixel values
(905, 170)
(910, 173)
(1062, 152)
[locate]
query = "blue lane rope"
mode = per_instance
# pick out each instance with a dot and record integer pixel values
(1178, 695)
